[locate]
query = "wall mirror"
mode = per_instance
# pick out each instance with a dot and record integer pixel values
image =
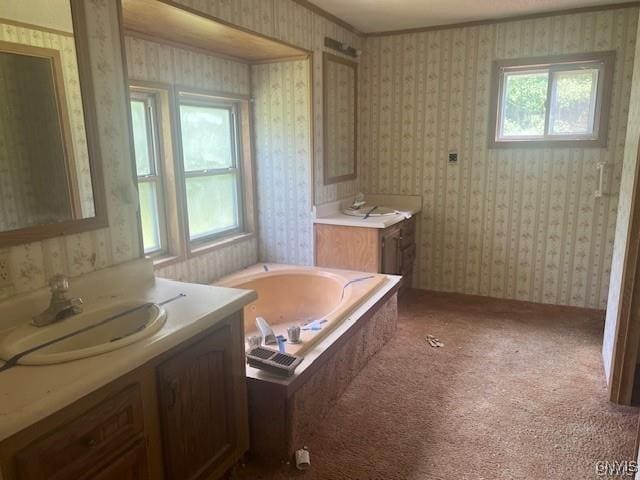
(50, 182)
(340, 83)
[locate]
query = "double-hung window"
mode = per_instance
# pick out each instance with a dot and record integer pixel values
(193, 163)
(211, 167)
(148, 168)
(554, 101)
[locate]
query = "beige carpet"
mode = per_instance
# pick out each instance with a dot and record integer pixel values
(517, 392)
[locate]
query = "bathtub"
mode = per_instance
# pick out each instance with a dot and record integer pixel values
(292, 295)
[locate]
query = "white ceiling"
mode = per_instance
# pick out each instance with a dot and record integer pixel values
(384, 15)
(54, 14)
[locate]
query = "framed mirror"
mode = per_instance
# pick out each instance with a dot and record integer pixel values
(340, 95)
(50, 171)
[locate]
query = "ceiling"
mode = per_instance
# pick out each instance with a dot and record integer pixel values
(384, 15)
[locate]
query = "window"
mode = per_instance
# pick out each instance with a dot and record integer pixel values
(193, 162)
(148, 168)
(559, 101)
(209, 137)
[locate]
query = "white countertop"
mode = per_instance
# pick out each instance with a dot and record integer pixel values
(31, 393)
(331, 213)
(340, 218)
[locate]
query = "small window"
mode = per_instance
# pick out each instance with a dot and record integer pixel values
(150, 191)
(211, 167)
(561, 101)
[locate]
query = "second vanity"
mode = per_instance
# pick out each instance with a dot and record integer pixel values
(377, 244)
(172, 405)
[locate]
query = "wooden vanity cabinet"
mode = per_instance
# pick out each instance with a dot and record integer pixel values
(181, 416)
(201, 407)
(390, 250)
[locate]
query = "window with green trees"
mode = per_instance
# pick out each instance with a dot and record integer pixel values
(148, 169)
(552, 101)
(212, 177)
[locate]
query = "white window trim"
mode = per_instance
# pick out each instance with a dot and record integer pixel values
(603, 60)
(178, 247)
(187, 98)
(156, 174)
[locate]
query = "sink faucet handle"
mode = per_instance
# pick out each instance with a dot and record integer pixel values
(59, 284)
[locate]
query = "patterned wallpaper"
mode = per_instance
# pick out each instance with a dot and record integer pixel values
(517, 223)
(341, 107)
(283, 161)
(31, 264)
(151, 61)
(629, 178)
(292, 23)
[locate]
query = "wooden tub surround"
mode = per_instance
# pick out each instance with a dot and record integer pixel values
(284, 411)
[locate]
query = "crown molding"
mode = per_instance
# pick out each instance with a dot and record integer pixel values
(515, 18)
(329, 16)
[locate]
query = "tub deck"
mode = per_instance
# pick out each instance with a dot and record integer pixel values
(285, 411)
(292, 295)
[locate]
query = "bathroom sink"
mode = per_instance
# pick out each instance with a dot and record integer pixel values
(377, 212)
(84, 335)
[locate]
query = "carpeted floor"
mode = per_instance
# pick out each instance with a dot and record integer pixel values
(517, 392)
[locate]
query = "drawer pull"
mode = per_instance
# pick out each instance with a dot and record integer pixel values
(91, 442)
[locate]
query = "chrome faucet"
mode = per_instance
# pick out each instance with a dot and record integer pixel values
(60, 306)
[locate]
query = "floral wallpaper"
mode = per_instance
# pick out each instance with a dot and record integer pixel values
(29, 265)
(156, 62)
(209, 267)
(27, 171)
(153, 61)
(283, 161)
(341, 114)
(629, 179)
(510, 223)
(290, 22)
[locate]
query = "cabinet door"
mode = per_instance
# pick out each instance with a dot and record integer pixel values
(390, 245)
(197, 390)
(131, 465)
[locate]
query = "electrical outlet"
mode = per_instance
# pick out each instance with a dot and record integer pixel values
(5, 272)
(453, 157)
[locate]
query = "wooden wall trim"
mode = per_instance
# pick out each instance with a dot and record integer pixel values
(329, 16)
(326, 59)
(201, 15)
(492, 21)
(100, 220)
(32, 26)
(125, 73)
(627, 337)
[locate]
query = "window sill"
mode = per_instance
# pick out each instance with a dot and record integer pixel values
(574, 143)
(219, 243)
(167, 260)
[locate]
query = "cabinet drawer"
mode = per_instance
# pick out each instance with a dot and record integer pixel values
(79, 445)
(130, 465)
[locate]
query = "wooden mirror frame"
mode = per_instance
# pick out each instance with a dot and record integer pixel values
(99, 220)
(326, 59)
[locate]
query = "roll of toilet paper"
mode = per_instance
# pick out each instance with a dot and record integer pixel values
(302, 459)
